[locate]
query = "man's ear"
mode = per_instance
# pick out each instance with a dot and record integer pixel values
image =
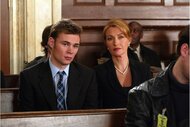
(184, 50)
(51, 42)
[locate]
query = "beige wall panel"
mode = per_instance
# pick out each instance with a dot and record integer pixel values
(28, 19)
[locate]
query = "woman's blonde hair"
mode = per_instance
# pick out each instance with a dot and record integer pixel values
(119, 23)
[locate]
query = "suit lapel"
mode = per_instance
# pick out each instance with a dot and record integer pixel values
(136, 75)
(47, 85)
(113, 81)
(112, 75)
(133, 73)
(144, 53)
(74, 85)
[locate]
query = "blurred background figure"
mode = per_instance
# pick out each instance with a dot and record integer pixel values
(44, 44)
(140, 52)
(143, 53)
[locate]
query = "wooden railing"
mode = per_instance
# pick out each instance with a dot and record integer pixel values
(11, 81)
(9, 99)
(70, 118)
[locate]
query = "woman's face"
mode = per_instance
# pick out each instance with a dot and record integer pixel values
(116, 42)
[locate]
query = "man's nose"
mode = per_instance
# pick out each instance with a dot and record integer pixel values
(70, 49)
(132, 31)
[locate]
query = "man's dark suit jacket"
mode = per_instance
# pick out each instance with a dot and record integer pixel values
(37, 89)
(35, 61)
(149, 56)
(111, 93)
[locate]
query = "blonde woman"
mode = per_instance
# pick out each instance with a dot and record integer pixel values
(119, 74)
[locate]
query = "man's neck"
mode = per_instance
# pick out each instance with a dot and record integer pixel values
(177, 72)
(57, 64)
(134, 46)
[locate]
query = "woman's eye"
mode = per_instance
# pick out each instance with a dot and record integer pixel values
(120, 37)
(109, 38)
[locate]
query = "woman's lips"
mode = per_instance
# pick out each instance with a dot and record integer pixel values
(116, 49)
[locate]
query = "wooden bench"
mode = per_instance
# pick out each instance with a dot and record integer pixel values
(9, 99)
(11, 81)
(70, 118)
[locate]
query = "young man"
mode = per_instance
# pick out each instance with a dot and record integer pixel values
(59, 83)
(164, 100)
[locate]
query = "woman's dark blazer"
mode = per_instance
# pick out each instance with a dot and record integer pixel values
(37, 89)
(111, 94)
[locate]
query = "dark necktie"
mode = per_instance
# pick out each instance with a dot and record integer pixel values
(61, 92)
(133, 55)
(136, 53)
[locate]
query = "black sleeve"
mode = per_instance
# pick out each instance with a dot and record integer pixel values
(26, 97)
(91, 100)
(138, 109)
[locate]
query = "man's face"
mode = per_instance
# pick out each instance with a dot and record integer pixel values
(186, 61)
(181, 67)
(136, 33)
(64, 49)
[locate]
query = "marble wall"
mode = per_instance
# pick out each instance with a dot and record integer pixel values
(28, 18)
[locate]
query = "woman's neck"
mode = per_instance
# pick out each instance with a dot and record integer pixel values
(121, 62)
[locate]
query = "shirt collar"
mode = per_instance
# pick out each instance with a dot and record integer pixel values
(67, 69)
(138, 48)
(55, 69)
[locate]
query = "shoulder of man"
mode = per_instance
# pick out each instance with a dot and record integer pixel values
(158, 86)
(80, 67)
(146, 86)
(139, 65)
(35, 68)
(104, 65)
(148, 50)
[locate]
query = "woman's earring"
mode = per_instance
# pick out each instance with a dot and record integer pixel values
(129, 43)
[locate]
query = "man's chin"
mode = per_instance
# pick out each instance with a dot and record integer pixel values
(133, 42)
(67, 62)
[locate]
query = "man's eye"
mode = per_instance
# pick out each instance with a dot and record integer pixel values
(65, 44)
(136, 31)
(76, 46)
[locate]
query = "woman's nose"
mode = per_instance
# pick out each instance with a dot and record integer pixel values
(116, 40)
